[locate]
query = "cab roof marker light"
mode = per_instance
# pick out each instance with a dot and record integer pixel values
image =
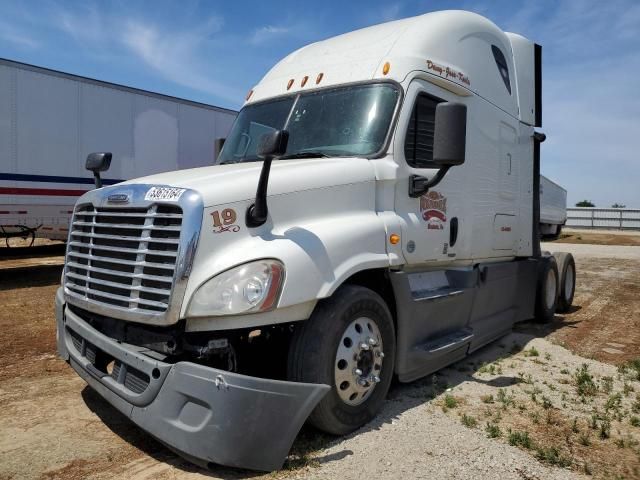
(319, 78)
(386, 67)
(290, 84)
(304, 80)
(249, 93)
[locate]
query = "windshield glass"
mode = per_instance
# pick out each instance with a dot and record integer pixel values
(344, 121)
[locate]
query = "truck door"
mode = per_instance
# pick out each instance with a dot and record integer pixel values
(432, 223)
(505, 224)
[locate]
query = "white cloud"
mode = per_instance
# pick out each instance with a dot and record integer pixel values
(175, 55)
(88, 25)
(268, 33)
(18, 37)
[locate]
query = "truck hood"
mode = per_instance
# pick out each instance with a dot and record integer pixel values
(220, 184)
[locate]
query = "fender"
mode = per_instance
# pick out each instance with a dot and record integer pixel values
(323, 236)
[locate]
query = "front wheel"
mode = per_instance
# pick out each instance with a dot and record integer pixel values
(348, 344)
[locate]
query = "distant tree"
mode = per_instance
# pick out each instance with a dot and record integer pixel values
(618, 205)
(585, 203)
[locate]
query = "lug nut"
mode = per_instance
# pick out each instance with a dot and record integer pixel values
(380, 354)
(373, 342)
(362, 382)
(364, 346)
(375, 379)
(358, 372)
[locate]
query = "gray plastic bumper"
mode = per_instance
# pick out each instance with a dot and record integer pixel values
(204, 414)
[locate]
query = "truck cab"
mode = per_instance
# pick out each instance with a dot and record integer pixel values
(373, 214)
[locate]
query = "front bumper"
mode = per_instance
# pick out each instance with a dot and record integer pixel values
(204, 414)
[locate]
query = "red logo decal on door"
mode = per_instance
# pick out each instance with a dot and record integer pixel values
(433, 207)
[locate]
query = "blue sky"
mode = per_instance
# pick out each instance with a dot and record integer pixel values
(214, 51)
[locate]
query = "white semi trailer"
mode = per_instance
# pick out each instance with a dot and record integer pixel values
(553, 208)
(50, 121)
(374, 213)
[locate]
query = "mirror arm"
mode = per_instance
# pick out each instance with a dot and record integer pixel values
(257, 213)
(97, 179)
(419, 185)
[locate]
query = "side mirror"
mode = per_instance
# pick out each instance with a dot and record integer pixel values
(450, 134)
(98, 162)
(273, 144)
(217, 147)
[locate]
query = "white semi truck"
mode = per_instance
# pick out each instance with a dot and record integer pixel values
(51, 120)
(373, 214)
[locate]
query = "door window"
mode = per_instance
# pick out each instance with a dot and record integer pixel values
(418, 144)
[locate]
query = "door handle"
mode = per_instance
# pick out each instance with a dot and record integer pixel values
(453, 231)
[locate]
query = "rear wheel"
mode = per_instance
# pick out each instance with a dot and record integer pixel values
(348, 344)
(567, 269)
(547, 290)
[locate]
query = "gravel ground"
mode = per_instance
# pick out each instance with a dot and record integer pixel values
(53, 426)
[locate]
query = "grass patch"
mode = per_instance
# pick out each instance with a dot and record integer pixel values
(605, 429)
(520, 439)
(449, 402)
(584, 439)
(532, 352)
(584, 381)
(552, 456)
(634, 421)
(606, 384)
(493, 430)
(614, 402)
(633, 366)
(468, 421)
(506, 400)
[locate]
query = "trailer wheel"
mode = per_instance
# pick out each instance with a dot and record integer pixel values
(349, 344)
(567, 269)
(547, 290)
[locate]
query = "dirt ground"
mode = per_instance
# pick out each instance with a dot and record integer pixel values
(53, 426)
(599, 237)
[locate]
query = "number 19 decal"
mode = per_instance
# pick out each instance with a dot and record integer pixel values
(224, 221)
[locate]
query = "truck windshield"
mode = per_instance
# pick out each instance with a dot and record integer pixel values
(344, 121)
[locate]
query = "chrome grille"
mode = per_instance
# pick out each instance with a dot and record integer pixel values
(124, 257)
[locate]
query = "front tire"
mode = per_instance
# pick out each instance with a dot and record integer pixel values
(348, 343)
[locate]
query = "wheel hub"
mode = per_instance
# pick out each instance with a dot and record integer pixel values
(359, 360)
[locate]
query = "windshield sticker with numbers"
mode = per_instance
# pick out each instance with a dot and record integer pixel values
(165, 194)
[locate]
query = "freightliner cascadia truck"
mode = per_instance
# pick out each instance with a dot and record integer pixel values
(372, 214)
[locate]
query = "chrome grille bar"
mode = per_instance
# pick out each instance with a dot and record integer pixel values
(124, 257)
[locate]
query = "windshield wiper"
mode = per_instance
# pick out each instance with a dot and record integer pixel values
(242, 160)
(307, 154)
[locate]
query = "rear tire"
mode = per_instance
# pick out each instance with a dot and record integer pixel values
(323, 350)
(547, 290)
(567, 269)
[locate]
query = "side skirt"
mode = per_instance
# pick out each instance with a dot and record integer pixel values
(442, 316)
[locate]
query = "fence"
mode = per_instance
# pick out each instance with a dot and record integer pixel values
(611, 218)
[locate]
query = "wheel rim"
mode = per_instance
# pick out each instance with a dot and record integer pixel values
(358, 361)
(568, 282)
(550, 294)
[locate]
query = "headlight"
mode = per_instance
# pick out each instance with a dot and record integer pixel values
(253, 287)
